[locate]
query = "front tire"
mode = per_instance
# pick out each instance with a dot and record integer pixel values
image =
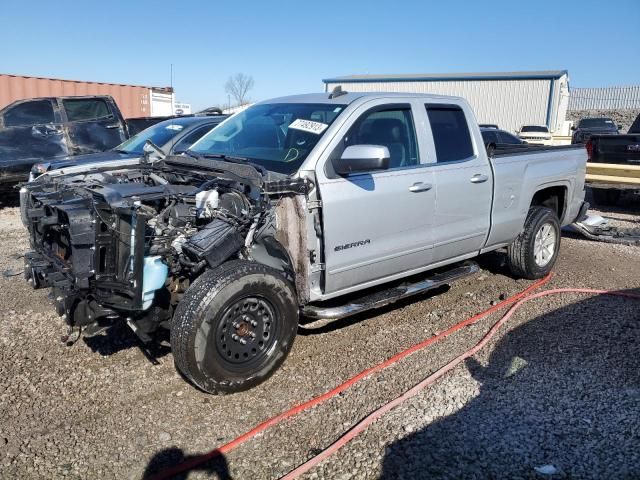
(534, 252)
(234, 327)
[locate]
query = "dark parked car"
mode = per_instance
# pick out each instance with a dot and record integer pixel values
(172, 136)
(46, 128)
(495, 138)
(593, 126)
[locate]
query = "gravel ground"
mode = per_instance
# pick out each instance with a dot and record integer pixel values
(559, 388)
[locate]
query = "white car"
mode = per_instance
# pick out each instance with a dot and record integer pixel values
(537, 134)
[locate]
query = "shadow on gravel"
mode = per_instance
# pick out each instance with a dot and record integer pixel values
(215, 468)
(562, 390)
(9, 199)
(120, 337)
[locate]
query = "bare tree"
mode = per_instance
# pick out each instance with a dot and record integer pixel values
(238, 86)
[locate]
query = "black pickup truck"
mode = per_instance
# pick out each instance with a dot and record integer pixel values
(620, 149)
(616, 148)
(39, 129)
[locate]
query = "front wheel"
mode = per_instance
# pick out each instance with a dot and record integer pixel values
(534, 252)
(234, 327)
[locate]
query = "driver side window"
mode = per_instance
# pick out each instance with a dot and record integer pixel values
(391, 127)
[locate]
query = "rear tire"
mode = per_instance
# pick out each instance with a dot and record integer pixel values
(605, 197)
(534, 252)
(234, 327)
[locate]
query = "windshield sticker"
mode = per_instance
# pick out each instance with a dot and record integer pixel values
(308, 126)
(174, 127)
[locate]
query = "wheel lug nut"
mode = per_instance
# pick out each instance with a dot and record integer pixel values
(243, 341)
(235, 337)
(252, 334)
(254, 323)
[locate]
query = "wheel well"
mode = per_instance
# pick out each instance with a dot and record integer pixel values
(554, 198)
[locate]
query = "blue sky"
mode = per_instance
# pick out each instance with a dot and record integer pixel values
(289, 46)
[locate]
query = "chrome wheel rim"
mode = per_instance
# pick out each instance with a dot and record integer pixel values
(544, 246)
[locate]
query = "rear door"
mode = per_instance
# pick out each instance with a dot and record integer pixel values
(92, 125)
(31, 130)
(377, 224)
(463, 181)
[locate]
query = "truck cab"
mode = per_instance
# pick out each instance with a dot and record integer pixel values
(46, 128)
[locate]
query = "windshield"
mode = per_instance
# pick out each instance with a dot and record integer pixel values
(535, 128)
(597, 123)
(159, 134)
(277, 136)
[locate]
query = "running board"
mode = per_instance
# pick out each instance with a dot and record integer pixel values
(385, 297)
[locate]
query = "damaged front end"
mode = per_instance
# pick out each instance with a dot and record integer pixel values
(126, 243)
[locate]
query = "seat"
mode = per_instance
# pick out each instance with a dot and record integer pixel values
(389, 132)
(264, 133)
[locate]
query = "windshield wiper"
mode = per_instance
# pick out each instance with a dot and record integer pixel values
(228, 158)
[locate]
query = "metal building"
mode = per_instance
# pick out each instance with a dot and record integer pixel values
(133, 100)
(508, 99)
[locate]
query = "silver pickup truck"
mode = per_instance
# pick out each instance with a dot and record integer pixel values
(307, 207)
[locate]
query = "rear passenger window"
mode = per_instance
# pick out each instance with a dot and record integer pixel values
(85, 109)
(37, 112)
(450, 133)
(392, 128)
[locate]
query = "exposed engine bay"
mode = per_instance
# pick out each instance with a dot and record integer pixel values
(127, 242)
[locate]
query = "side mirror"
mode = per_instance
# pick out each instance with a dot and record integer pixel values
(362, 158)
(573, 127)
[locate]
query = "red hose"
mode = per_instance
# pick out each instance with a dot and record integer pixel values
(373, 416)
(233, 444)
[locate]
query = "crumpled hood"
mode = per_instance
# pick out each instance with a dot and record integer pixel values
(107, 156)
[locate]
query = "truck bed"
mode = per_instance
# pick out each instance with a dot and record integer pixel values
(519, 172)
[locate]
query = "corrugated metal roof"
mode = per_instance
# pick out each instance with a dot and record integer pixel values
(427, 77)
(165, 89)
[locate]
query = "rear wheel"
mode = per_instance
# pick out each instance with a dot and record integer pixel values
(234, 327)
(605, 197)
(534, 252)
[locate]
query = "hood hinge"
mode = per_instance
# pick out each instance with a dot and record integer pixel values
(314, 204)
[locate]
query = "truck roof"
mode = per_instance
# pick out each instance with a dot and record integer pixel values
(350, 97)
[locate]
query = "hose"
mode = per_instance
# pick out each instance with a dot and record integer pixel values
(233, 444)
(412, 392)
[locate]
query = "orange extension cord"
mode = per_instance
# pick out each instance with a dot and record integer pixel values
(233, 444)
(376, 414)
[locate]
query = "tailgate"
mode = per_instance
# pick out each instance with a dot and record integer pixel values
(617, 148)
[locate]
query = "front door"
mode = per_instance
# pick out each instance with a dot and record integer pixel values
(377, 224)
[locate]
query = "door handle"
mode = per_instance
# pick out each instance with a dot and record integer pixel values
(114, 125)
(420, 187)
(479, 178)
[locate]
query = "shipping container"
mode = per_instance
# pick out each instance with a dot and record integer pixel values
(133, 100)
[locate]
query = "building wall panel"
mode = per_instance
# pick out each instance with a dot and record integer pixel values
(509, 103)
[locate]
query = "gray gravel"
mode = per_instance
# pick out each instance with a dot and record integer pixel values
(560, 387)
(624, 118)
